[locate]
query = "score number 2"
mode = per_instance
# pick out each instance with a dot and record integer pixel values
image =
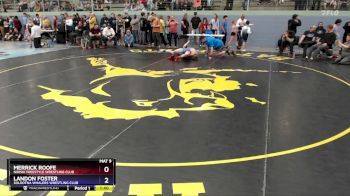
(106, 170)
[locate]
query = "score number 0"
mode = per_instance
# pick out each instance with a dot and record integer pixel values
(106, 170)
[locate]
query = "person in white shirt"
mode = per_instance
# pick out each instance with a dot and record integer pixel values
(241, 21)
(215, 22)
(108, 35)
(36, 35)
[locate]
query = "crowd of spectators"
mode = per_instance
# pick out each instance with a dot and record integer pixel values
(318, 42)
(151, 5)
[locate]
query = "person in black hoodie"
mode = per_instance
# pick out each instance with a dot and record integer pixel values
(293, 23)
(346, 28)
(323, 45)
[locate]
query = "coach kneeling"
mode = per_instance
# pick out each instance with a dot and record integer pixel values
(108, 35)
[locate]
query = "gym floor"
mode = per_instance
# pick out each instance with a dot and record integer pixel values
(254, 124)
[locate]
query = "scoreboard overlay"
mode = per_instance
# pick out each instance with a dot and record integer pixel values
(61, 174)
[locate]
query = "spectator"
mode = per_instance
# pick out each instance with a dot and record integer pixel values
(135, 26)
(204, 25)
(337, 27)
(2, 29)
(38, 7)
(240, 23)
(162, 30)
(224, 29)
(8, 35)
(17, 24)
(22, 5)
(55, 23)
(69, 23)
(246, 30)
(293, 23)
(324, 45)
(127, 21)
(99, 6)
(143, 29)
(344, 58)
(84, 42)
(126, 5)
(185, 25)
(156, 30)
(316, 5)
(104, 20)
(320, 31)
(36, 19)
(24, 20)
(140, 6)
(108, 35)
(330, 3)
(172, 30)
(215, 22)
(129, 39)
(113, 22)
(95, 36)
(36, 35)
(233, 37)
(76, 19)
(346, 28)
(46, 23)
(287, 39)
(78, 32)
(149, 34)
(6, 26)
(27, 30)
(17, 36)
(32, 5)
(195, 21)
(150, 5)
(92, 21)
(10, 23)
(299, 5)
(120, 28)
(308, 39)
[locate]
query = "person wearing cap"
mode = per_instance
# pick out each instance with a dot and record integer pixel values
(108, 35)
(293, 23)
